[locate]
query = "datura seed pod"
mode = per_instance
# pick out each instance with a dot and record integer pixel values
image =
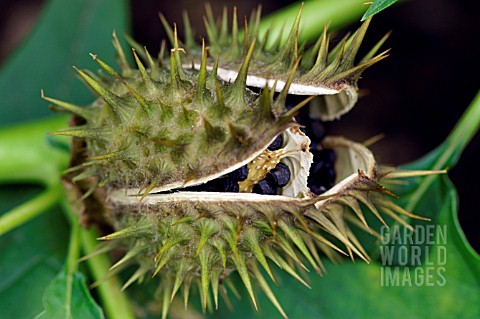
(200, 168)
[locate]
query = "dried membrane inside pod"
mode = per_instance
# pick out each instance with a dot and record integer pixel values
(199, 176)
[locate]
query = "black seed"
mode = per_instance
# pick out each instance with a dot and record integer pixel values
(276, 144)
(280, 175)
(327, 176)
(230, 185)
(325, 156)
(210, 186)
(316, 130)
(239, 174)
(265, 188)
(322, 174)
(318, 189)
(317, 167)
(293, 100)
(328, 156)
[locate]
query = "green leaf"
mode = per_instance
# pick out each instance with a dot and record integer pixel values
(65, 34)
(31, 255)
(67, 296)
(81, 304)
(376, 7)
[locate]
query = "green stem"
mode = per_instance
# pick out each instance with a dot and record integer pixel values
(73, 254)
(30, 209)
(461, 135)
(26, 155)
(315, 15)
(74, 245)
(114, 300)
(452, 147)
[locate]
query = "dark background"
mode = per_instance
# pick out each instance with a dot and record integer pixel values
(414, 97)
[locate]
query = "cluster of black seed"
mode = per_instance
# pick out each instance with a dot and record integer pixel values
(275, 179)
(322, 172)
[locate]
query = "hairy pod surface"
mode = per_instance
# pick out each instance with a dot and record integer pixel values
(200, 176)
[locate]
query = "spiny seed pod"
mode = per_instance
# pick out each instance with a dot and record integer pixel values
(199, 176)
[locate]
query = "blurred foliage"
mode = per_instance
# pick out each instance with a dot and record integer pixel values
(33, 254)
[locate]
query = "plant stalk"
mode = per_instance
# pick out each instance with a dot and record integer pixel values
(32, 208)
(27, 154)
(452, 147)
(338, 13)
(72, 257)
(114, 301)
